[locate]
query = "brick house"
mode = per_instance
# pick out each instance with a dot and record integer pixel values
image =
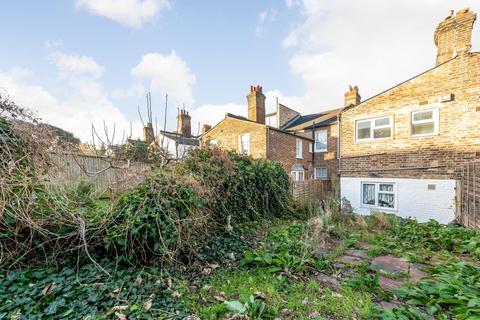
(251, 136)
(403, 150)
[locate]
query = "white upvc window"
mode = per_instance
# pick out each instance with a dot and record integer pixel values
(321, 138)
(379, 194)
(298, 148)
(321, 173)
(244, 144)
(374, 129)
(424, 123)
(298, 175)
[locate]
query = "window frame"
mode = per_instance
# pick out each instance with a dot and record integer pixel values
(435, 119)
(240, 145)
(377, 192)
(296, 173)
(373, 127)
(298, 148)
(320, 177)
(315, 140)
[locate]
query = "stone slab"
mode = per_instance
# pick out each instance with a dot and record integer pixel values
(356, 253)
(389, 284)
(350, 260)
(389, 264)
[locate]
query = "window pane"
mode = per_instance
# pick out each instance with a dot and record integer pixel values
(423, 128)
(382, 122)
(386, 200)
(320, 172)
(386, 187)
(320, 140)
(424, 115)
(382, 133)
(368, 194)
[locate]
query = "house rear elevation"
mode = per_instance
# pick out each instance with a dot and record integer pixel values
(403, 150)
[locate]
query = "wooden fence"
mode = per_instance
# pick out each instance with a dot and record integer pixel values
(96, 170)
(311, 190)
(470, 196)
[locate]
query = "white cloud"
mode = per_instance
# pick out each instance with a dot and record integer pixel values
(292, 3)
(75, 65)
(167, 74)
(211, 114)
(265, 17)
(84, 99)
(53, 43)
(372, 44)
(131, 13)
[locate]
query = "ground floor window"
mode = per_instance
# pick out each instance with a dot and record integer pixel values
(378, 194)
(321, 173)
(298, 175)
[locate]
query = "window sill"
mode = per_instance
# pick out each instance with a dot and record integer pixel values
(321, 151)
(419, 136)
(371, 207)
(373, 140)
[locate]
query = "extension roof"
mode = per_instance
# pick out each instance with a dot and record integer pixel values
(191, 141)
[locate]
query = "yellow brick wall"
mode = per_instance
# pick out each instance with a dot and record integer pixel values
(228, 131)
(440, 156)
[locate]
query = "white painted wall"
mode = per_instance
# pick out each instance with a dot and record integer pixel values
(413, 198)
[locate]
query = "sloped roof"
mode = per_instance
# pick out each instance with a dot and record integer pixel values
(191, 141)
(319, 119)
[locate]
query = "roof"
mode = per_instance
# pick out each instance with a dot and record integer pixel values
(234, 116)
(317, 120)
(191, 141)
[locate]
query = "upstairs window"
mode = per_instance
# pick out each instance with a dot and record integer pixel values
(244, 144)
(380, 195)
(374, 129)
(425, 122)
(298, 148)
(321, 140)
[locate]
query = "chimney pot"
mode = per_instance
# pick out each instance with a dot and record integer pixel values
(352, 96)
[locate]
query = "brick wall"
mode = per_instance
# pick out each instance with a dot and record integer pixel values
(327, 159)
(227, 133)
(437, 156)
(285, 114)
(282, 148)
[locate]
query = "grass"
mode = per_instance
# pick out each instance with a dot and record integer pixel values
(305, 299)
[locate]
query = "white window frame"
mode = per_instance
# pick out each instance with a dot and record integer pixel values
(296, 174)
(245, 150)
(435, 119)
(325, 177)
(373, 128)
(298, 148)
(316, 134)
(377, 191)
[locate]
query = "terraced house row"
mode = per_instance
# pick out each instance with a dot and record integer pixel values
(402, 150)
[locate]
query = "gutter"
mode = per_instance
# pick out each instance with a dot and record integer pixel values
(313, 150)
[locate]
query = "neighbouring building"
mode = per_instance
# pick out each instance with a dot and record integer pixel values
(252, 136)
(177, 143)
(403, 150)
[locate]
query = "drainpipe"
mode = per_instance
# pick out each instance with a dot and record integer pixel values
(313, 150)
(339, 158)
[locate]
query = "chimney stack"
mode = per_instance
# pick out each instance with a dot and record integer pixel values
(184, 127)
(352, 97)
(453, 35)
(148, 135)
(256, 105)
(206, 127)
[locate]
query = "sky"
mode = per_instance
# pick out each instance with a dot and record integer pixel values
(83, 62)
